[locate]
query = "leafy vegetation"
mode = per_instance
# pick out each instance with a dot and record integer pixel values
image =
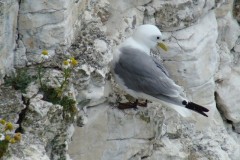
(7, 136)
(69, 105)
(20, 80)
(55, 95)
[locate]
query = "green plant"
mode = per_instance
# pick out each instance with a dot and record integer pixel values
(7, 136)
(3, 147)
(55, 95)
(69, 105)
(68, 66)
(44, 56)
(20, 80)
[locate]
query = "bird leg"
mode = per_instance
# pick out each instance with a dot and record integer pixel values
(132, 105)
(143, 104)
(128, 105)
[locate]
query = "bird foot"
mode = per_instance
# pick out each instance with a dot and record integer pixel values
(143, 104)
(132, 105)
(127, 105)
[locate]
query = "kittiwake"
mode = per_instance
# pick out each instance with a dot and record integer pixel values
(143, 76)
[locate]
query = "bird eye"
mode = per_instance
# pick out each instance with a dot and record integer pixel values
(158, 37)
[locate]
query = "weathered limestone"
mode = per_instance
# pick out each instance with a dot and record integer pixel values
(237, 46)
(8, 35)
(228, 30)
(11, 104)
(227, 97)
(192, 60)
(115, 135)
(47, 126)
(228, 75)
(188, 52)
(175, 15)
(203, 57)
(48, 25)
(149, 133)
(29, 149)
(193, 51)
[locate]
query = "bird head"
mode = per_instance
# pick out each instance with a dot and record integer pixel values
(150, 36)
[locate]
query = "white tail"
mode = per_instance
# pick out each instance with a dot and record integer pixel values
(186, 113)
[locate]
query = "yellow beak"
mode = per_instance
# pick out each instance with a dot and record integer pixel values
(163, 46)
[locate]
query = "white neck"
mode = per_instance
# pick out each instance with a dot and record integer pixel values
(133, 43)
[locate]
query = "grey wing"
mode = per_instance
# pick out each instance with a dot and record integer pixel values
(140, 73)
(160, 65)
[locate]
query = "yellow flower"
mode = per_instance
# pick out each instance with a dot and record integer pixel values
(66, 64)
(9, 126)
(45, 52)
(12, 140)
(74, 62)
(8, 137)
(2, 121)
(18, 136)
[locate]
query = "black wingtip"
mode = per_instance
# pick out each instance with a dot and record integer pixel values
(197, 108)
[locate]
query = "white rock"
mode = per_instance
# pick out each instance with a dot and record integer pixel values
(48, 25)
(171, 150)
(228, 97)
(84, 119)
(229, 30)
(125, 16)
(52, 78)
(98, 120)
(112, 134)
(39, 106)
(34, 152)
(92, 84)
(225, 60)
(95, 94)
(100, 45)
(68, 157)
(175, 15)
(237, 46)
(20, 58)
(128, 135)
(31, 90)
(192, 53)
(228, 75)
(9, 100)
(70, 132)
(29, 148)
(8, 21)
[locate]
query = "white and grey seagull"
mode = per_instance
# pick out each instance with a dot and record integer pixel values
(143, 76)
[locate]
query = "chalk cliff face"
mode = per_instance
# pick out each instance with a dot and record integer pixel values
(203, 57)
(8, 21)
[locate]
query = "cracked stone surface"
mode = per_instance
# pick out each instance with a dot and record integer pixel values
(46, 127)
(48, 25)
(203, 57)
(175, 15)
(8, 22)
(11, 104)
(149, 133)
